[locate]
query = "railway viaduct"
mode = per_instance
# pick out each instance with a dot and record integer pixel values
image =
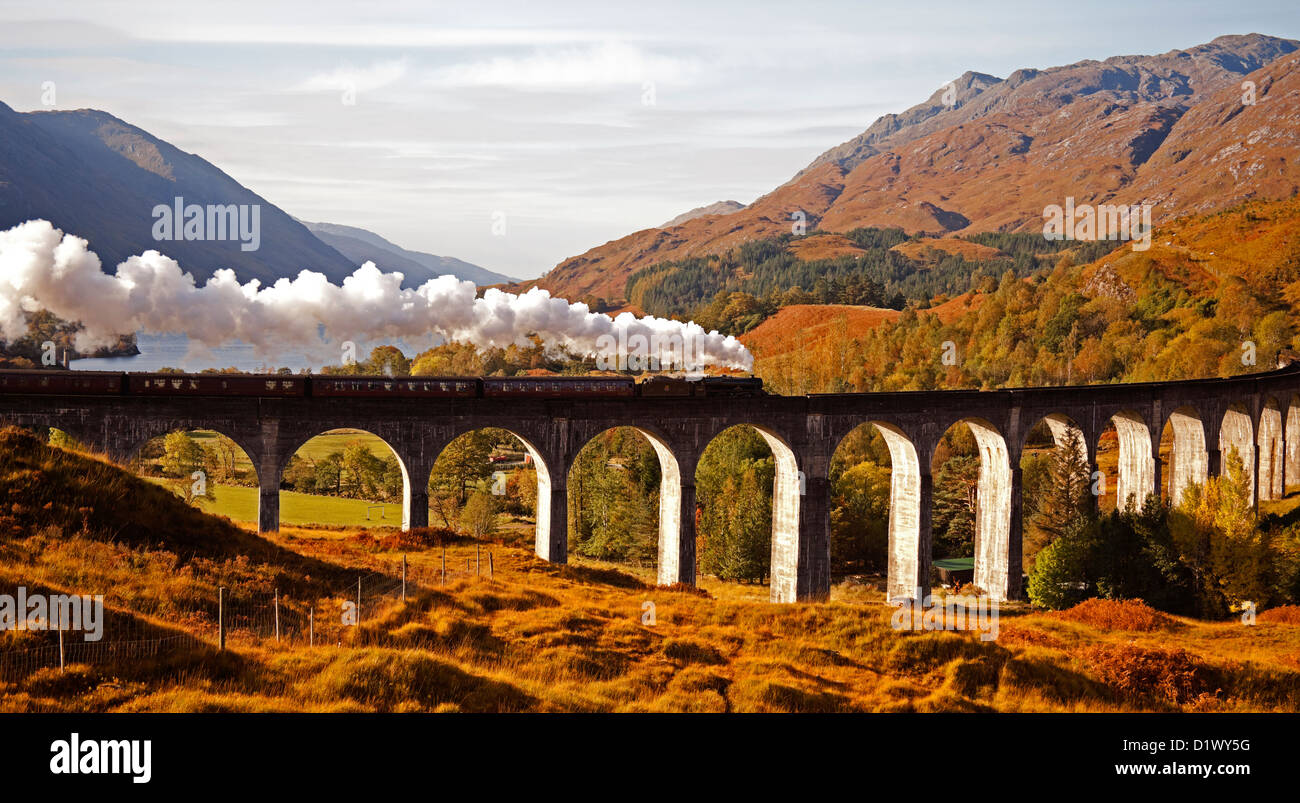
(1256, 415)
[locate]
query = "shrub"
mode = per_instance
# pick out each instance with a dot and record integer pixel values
(1110, 614)
(1139, 673)
(1284, 614)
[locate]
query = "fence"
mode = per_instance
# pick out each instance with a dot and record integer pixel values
(247, 621)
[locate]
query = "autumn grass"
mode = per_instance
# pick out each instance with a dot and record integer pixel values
(541, 637)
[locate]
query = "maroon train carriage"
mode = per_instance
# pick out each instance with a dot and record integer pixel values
(404, 386)
(93, 383)
(558, 387)
(281, 385)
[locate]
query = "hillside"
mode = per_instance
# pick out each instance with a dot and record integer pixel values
(98, 177)
(801, 326)
(1186, 308)
(1169, 129)
(541, 637)
(360, 246)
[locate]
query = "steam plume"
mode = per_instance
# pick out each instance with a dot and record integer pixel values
(43, 268)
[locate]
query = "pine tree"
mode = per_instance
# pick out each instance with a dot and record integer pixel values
(955, 498)
(1067, 497)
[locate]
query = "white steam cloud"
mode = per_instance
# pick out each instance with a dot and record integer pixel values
(42, 268)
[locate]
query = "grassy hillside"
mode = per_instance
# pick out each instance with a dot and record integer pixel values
(540, 637)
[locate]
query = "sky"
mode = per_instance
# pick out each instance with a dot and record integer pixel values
(516, 134)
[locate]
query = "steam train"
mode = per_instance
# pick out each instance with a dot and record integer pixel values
(103, 383)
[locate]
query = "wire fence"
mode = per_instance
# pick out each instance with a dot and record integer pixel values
(246, 621)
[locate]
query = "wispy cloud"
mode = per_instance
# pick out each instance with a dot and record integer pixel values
(608, 63)
(360, 79)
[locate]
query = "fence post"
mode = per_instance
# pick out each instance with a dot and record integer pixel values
(221, 617)
(277, 616)
(478, 561)
(403, 578)
(444, 565)
(490, 569)
(311, 626)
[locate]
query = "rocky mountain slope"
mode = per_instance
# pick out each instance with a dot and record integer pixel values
(1189, 131)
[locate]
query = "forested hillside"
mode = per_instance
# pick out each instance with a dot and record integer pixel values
(1213, 296)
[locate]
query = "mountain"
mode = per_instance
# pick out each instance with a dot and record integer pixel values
(359, 246)
(718, 208)
(989, 154)
(98, 177)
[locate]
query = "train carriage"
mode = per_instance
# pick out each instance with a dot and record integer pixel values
(389, 386)
(96, 383)
(55, 382)
(278, 385)
(558, 387)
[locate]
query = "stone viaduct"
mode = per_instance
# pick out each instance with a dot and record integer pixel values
(1256, 415)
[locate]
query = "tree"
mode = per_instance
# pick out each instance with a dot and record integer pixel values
(329, 473)
(480, 515)
(364, 471)
(447, 508)
(1215, 532)
(956, 490)
(1061, 571)
(182, 456)
(614, 498)
(521, 491)
(221, 456)
(860, 518)
(195, 492)
(300, 475)
(465, 462)
(386, 361)
(1067, 496)
(734, 484)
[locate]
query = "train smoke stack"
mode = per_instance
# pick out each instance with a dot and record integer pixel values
(43, 268)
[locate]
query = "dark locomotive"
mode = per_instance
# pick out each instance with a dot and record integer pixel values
(104, 383)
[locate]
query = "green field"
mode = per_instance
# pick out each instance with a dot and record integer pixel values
(240, 504)
(316, 448)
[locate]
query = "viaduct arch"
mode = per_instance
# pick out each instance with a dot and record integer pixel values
(1257, 415)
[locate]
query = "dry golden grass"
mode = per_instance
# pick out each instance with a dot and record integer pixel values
(540, 637)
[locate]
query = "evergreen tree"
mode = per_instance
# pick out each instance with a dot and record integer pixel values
(955, 499)
(1068, 495)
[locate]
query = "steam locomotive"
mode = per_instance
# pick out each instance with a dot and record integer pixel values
(103, 383)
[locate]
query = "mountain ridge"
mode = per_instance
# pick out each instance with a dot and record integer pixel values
(361, 245)
(1098, 131)
(99, 177)
(96, 176)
